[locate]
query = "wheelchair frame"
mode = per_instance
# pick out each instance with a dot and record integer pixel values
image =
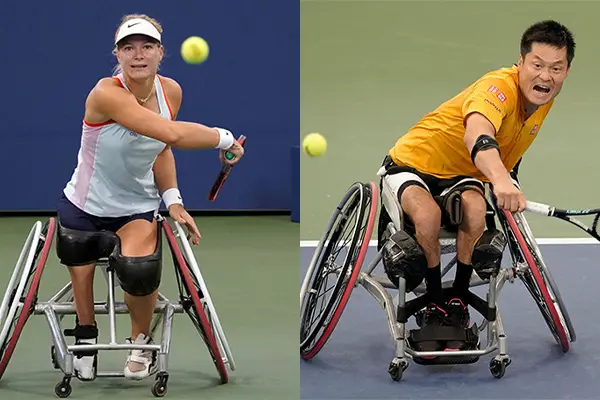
(20, 301)
(527, 265)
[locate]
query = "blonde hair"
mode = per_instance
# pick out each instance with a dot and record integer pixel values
(117, 69)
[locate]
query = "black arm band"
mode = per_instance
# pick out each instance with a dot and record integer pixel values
(484, 142)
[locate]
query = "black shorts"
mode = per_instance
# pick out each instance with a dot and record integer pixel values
(433, 184)
(71, 216)
(397, 178)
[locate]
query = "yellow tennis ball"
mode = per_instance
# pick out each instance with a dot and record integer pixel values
(314, 144)
(194, 50)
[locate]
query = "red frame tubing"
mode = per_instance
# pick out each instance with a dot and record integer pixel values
(564, 342)
(189, 283)
(28, 304)
(350, 286)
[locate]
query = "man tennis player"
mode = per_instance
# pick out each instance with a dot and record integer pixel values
(480, 135)
(124, 165)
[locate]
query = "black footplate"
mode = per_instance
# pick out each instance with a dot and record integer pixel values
(469, 336)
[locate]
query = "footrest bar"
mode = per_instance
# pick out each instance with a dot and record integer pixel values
(461, 353)
(108, 374)
(88, 347)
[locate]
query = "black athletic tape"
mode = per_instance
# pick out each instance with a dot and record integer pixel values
(82, 334)
(484, 142)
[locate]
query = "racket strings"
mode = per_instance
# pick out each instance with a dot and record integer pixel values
(595, 223)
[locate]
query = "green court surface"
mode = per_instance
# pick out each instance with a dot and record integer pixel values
(372, 69)
(250, 266)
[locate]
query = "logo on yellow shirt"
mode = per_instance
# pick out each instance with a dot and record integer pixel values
(534, 129)
(501, 96)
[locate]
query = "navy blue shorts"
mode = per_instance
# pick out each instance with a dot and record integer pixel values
(71, 216)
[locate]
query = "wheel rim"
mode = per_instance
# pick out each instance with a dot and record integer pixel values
(536, 285)
(312, 324)
(370, 200)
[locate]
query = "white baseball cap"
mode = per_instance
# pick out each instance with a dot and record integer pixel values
(137, 26)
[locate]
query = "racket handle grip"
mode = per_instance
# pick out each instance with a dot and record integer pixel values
(539, 208)
(230, 156)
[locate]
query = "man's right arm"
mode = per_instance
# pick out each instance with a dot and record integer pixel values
(487, 161)
(484, 111)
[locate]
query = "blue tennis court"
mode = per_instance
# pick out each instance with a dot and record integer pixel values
(353, 364)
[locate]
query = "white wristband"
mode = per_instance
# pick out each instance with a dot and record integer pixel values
(172, 196)
(225, 139)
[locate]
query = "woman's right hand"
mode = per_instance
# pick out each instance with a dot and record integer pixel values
(237, 150)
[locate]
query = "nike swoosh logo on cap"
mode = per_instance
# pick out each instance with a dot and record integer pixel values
(134, 24)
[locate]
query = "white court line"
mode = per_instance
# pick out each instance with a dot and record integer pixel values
(555, 241)
(423, 1)
(431, 1)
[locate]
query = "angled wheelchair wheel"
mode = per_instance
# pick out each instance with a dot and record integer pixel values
(322, 300)
(537, 280)
(561, 308)
(205, 298)
(190, 294)
(21, 295)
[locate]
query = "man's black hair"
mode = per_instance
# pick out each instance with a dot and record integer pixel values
(551, 33)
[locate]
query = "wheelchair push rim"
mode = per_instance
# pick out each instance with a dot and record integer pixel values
(205, 297)
(546, 274)
(192, 303)
(24, 298)
(545, 303)
(361, 199)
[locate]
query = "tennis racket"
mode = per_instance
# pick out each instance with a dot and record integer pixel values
(224, 173)
(569, 216)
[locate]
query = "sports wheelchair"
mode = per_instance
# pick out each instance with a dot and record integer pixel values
(21, 301)
(349, 231)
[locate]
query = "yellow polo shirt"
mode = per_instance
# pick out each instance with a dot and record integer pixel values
(435, 145)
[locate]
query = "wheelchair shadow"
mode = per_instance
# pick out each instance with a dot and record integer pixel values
(181, 384)
(525, 362)
(527, 356)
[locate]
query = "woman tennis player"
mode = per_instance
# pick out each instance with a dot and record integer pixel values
(125, 166)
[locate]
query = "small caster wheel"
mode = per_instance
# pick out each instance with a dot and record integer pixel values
(160, 386)
(159, 389)
(498, 368)
(396, 369)
(63, 389)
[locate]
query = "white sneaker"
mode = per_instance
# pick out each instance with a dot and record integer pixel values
(140, 363)
(85, 366)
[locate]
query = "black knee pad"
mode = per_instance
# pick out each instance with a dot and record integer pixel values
(404, 257)
(138, 276)
(76, 248)
(487, 254)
